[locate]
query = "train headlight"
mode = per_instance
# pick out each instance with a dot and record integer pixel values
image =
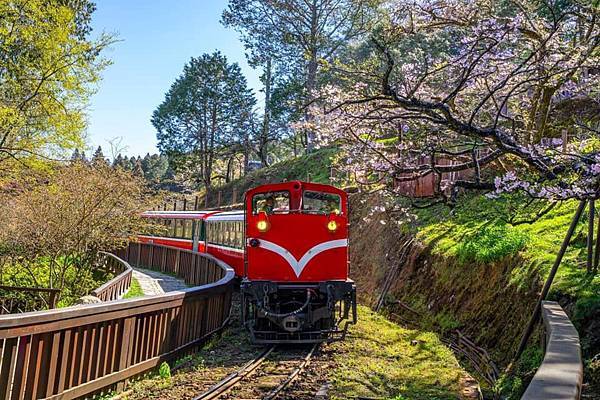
(332, 226)
(262, 226)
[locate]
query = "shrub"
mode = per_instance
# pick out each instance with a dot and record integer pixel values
(52, 229)
(164, 371)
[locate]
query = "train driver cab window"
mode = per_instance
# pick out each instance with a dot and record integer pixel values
(271, 202)
(321, 203)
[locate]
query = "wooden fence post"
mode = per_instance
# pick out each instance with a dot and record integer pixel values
(52, 299)
(126, 347)
(185, 204)
(196, 203)
(590, 237)
(597, 252)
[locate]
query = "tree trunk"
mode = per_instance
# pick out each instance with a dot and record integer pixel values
(311, 78)
(264, 136)
(228, 176)
(210, 148)
(246, 152)
(543, 112)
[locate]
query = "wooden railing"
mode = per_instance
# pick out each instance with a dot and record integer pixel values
(33, 300)
(561, 373)
(117, 286)
(83, 350)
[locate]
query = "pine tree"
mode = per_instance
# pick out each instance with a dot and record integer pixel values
(78, 156)
(204, 111)
(118, 161)
(137, 169)
(98, 157)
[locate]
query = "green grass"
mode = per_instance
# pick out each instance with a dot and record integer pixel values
(477, 232)
(383, 360)
(491, 243)
(135, 290)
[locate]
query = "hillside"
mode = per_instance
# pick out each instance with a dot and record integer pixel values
(315, 167)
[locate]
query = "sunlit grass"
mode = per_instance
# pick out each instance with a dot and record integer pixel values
(383, 360)
(135, 290)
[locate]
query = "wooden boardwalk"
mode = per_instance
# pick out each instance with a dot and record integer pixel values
(153, 282)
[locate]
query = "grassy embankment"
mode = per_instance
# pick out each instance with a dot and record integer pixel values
(476, 234)
(479, 260)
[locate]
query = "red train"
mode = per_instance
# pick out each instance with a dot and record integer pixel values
(289, 247)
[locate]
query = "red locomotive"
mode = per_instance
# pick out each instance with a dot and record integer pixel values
(289, 247)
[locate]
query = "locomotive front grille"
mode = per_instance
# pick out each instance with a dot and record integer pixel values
(298, 313)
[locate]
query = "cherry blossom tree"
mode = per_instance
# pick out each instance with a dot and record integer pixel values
(482, 88)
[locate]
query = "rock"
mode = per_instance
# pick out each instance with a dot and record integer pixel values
(89, 299)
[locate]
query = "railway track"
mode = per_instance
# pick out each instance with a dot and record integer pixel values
(264, 377)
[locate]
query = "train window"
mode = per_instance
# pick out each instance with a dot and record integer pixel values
(211, 234)
(178, 228)
(239, 238)
(226, 233)
(187, 229)
(271, 202)
(321, 203)
(156, 227)
(171, 228)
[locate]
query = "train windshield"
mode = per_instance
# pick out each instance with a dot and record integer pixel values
(271, 202)
(321, 203)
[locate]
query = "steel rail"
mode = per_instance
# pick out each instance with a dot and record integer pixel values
(273, 394)
(231, 380)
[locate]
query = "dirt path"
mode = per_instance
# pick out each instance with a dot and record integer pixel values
(153, 282)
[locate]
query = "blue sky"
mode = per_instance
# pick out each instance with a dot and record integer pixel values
(157, 37)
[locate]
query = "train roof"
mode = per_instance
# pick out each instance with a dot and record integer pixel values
(226, 216)
(178, 214)
(296, 185)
